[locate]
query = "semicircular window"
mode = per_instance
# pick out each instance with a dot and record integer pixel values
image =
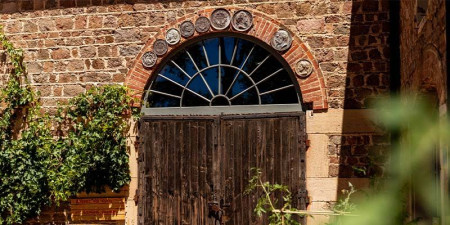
(221, 71)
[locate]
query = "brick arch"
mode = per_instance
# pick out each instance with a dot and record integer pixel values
(312, 88)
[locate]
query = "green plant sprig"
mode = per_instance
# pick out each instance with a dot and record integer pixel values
(267, 205)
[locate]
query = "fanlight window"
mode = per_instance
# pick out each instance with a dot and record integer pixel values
(221, 72)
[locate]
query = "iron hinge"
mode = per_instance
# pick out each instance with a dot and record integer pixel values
(303, 197)
(136, 196)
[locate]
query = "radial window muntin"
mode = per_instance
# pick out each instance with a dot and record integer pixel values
(237, 87)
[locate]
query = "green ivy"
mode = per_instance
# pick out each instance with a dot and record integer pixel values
(45, 160)
(93, 152)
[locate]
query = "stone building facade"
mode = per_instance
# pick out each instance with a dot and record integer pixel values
(423, 50)
(72, 45)
(424, 71)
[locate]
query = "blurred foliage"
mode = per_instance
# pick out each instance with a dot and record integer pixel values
(419, 132)
(420, 137)
(39, 167)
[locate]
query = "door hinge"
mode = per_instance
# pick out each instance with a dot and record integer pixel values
(308, 143)
(303, 197)
(136, 196)
(136, 144)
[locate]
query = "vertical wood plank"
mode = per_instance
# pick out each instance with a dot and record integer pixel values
(210, 151)
(179, 170)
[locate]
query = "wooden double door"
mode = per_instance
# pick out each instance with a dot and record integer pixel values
(194, 170)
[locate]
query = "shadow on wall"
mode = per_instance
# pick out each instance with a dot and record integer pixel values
(356, 152)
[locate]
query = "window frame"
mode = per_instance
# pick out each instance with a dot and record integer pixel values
(232, 109)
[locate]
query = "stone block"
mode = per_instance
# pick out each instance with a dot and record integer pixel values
(311, 26)
(95, 22)
(88, 52)
(61, 53)
(64, 24)
(73, 90)
(132, 151)
(131, 215)
(317, 156)
(328, 189)
(75, 65)
(80, 22)
(318, 219)
(132, 187)
(337, 121)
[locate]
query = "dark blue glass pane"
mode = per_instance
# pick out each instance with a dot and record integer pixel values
(220, 100)
(212, 49)
(198, 86)
(250, 97)
(198, 54)
(185, 63)
(267, 68)
(190, 99)
(212, 78)
(285, 96)
(227, 45)
(242, 83)
(173, 73)
(278, 80)
(242, 52)
(228, 75)
(157, 100)
(163, 85)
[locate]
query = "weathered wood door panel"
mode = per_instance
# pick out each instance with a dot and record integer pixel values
(176, 171)
(186, 164)
(273, 143)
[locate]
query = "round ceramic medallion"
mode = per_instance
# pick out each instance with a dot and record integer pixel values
(242, 20)
(149, 59)
(160, 47)
(303, 68)
(281, 40)
(187, 29)
(220, 19)
(173, 36)
(202, 24)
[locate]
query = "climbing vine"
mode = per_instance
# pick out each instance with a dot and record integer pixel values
(47, 159)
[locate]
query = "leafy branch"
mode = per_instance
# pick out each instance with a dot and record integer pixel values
(344, 205)
(267, 204)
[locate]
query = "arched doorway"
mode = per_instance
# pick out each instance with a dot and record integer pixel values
(215, 107)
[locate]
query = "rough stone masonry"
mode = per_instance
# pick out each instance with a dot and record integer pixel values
(72, 45)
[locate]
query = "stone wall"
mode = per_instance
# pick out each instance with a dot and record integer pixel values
(423, 50)
(367, 74)
(423, 54)
(72, 45)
